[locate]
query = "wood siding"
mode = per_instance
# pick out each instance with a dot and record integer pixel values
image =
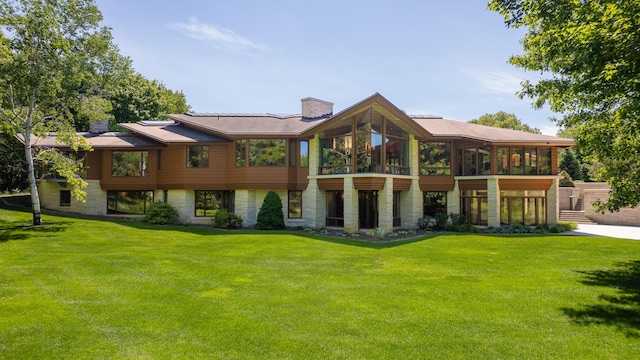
(368, 183)
(401, 184)
(436, 183)
(476, 184)
(525, 184)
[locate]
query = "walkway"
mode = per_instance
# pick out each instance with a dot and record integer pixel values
(623, 232)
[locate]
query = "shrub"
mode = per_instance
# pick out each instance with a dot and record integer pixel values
(162, 214)
(441, 220)
(426, 223)
(270, 216)
(457, 219)
(235, 221)
(227, 220)
(563, 226)
(221, 219)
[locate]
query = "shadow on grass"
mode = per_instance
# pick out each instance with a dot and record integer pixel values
(621, 310)
(23, 230)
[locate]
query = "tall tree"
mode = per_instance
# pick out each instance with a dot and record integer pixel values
(49, 57)
(503, 120)
(589, 52)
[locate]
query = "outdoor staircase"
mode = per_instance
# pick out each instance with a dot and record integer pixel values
(575, 216)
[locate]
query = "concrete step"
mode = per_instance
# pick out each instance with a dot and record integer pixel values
(575, 216)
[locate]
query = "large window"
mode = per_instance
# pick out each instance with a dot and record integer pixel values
(434, 202)
(527, 207)
(524, 160)
(295, 204)
(129, 163)
(261, 152)
(207, 202)
(475, 206)
(198, 156)
(336, 155)
(335, 208)
(129, 202)
(366, 143)
(435, 158)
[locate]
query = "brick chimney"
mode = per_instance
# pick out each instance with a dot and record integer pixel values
(99, 127)
(313, 109)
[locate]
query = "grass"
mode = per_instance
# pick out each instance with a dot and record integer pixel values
(78, 288)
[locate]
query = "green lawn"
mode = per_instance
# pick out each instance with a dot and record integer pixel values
(89, 289)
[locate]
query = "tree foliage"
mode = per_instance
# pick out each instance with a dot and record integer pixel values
(570, 164)
(506, 121)
(589, 54)
(49, 54)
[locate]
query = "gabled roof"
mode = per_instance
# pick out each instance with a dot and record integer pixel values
(381, 105)
(239, 125)
(438, 127)
(100, 141)
(170, 132)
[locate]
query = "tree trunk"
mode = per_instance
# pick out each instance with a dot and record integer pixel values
(35, 198)
(33, 186)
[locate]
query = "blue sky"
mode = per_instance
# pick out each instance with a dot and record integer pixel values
(446, 58)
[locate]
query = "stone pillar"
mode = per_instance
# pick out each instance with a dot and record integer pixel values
(411, 206)
(493, 202)
(385, 206)
(246, 207)
(351, 218)
(553, 212)
(453, 200)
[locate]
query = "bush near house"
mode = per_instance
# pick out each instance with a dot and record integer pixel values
(271, 216)
(162, 214)
(227, 220)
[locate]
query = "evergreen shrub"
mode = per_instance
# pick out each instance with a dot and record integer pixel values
(270, 216)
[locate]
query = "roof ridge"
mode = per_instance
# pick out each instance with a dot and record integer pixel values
(286, 116)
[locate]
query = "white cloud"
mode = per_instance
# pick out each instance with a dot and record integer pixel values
(218, 36)
(496, 81)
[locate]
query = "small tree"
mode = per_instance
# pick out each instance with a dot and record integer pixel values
(271, 216)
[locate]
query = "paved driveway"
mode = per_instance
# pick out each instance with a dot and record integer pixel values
(623, 232)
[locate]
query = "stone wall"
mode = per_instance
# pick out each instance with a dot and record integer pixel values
(592, 192)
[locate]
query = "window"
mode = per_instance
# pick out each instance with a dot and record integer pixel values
(129, 202)
(207, 202)
(435, 158)
(475, 206)
(241, 152)
(524, 160)
(544, 154)
(434, 202)
(65, 197)
(396, 208)
(198, 156)
(295, 204)
(335, 208)
(292, 153)
(304, 153)
(267, 152)
(527, 207)
(336, 155)
(474, 161)
(129, 163)
(365, 143)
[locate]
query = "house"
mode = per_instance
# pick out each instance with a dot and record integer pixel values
(368, 166)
